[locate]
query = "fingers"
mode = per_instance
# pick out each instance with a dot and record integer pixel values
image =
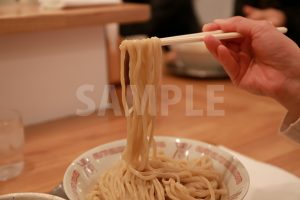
(224, 55)
(229, 63)
(247, 27)
(212, 45)
(238, 24)
(211, 27)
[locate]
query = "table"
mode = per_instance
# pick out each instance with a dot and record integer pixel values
(19, 18)
(250, 126)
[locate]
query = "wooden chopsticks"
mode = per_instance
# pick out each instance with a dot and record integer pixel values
(198, 37)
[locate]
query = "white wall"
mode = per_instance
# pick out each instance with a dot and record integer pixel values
(40, 72)
(208, 10)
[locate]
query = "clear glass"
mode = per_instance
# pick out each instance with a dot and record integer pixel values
(11, 144)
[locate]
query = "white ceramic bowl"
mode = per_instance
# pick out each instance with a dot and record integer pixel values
(193, 59)
(29, 196)
(84, 171)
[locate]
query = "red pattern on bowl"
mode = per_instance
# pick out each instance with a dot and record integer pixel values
(84, 171)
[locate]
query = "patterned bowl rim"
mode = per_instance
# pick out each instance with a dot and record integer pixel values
(30, 195)
(165, 138)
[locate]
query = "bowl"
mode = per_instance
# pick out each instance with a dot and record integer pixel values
(29, 196)
(84, 171)
(194, 60)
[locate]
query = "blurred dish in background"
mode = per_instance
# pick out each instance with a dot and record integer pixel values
(194, 60)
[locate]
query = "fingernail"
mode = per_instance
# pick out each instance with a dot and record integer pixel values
(206, 25)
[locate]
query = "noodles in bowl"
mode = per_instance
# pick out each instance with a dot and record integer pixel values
(83, 173)
(142, 172)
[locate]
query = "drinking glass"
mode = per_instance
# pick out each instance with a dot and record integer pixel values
(11, 144)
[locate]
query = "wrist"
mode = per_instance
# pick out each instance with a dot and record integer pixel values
(290, 96)
(289, 93)
(291, 100)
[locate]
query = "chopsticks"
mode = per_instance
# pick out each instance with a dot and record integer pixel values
(198, 37)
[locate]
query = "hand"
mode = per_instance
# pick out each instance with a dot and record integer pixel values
(275, 16)
(264, 61)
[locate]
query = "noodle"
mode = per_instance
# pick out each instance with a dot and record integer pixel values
(143, 174)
